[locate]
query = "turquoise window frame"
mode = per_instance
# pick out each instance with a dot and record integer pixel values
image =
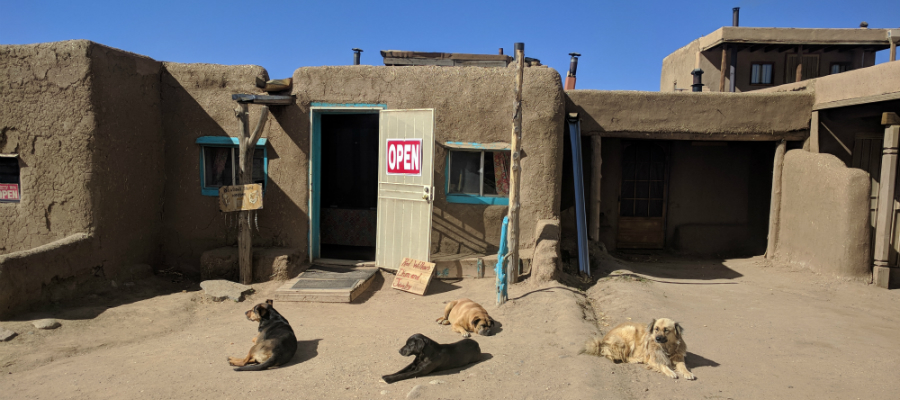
(316, 111)
(463, 198)
(229, 142)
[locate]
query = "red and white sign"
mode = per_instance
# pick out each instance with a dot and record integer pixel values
(9, 192)
(404, 156)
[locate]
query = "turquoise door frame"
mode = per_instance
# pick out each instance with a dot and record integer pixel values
(316, 111)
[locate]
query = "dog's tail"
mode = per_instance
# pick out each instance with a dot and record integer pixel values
(258, 367)
(593, 346)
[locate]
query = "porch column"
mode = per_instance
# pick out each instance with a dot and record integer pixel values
(814, 133)
(885, 213)
(775, 208)
(723, 67)
(594, 214)
(799, 75)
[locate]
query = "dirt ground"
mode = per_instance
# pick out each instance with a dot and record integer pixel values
(753, 331)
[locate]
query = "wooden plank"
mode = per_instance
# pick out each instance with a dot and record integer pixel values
(885, 212)
(277, 85)
(890, 118)
(596, 180)
(418, 61)
(857, 101)
(814, 133)
(641, 233)
(413, 276)
(736, 137)
(477, 146)
(263, 99)
(722, 68)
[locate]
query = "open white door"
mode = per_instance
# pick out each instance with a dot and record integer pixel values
(405, 186)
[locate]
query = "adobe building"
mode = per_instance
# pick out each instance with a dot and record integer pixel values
(115, 160)
(742, 59)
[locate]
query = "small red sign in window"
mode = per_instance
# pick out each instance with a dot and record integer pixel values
(9, 192)
(404, 157)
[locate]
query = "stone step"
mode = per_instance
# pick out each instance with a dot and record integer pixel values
(327, 284)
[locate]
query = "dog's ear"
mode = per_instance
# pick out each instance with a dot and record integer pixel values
(475, 321)
(650, 326)
(269, 302)
(678, 329)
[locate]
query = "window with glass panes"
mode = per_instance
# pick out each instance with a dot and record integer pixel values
(480, 177)
(643, 181)
(761, 73)
(219, 164)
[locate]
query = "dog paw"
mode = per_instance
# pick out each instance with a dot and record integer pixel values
(689, 376)
(672, 374)
(466, 334)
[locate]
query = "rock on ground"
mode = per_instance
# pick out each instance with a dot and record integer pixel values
(6, 334)
(219, 290)
(47, 323)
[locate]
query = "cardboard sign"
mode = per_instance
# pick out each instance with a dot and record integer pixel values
(240, 197)
(404, 157)
(9, 192)
(413, 276)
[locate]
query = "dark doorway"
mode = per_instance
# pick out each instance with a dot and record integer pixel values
(642, 200)
(349, 191)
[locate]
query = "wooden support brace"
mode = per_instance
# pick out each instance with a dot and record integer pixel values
(246, 148)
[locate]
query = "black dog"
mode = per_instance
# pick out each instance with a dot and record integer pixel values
(274, 345)
(432, 356)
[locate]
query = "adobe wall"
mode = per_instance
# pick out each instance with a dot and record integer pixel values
(196, 101)
(127, 154)
(694, 116)
(47, 117)
(472, 105)
(824, 216)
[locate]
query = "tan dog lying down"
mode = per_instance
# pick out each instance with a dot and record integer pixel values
(467, 316)
(658, 345)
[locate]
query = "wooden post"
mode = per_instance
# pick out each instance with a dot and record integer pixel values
(596, 175)
(512, 238)
(885, 211)
(814, 133)
(722, 69)
(775, 209)
(246, 148)
(799, 76)
(893, 56)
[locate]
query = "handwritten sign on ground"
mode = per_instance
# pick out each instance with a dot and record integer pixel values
(240, 197)
(413, 276)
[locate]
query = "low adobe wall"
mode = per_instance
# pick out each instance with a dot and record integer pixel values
(824, 216)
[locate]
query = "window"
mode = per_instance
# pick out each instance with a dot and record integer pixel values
(761, 73)
(837, 68)
(10, 191)
(219, 163)
(478, 177)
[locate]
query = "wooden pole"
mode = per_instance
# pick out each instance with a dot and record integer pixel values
(884, 214)
(596, 180)
(722, 68)
(775, 210)
(814, 133)
(799, 76)
(893, 56)
(246, 148)
(512, 238)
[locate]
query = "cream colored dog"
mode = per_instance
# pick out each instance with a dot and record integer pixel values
(658, 345)
(467, 316)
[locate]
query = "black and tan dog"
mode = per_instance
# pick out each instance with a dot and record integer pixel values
(432, 356)
(659, 345)
(466, 316)
(274, 345)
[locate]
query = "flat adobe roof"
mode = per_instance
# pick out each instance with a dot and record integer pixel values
(876, 39)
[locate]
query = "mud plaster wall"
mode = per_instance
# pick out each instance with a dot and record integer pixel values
(46, 116)
(127, 153)
(824, 216)
(472, 105)
(702, 116)
(196, 101)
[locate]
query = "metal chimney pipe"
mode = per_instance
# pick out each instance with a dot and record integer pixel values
(573, 67)
(698, 80)
(501, 51)
(735, 16)
(356, 56)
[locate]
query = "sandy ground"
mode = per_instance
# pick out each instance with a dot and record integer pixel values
(753, 331)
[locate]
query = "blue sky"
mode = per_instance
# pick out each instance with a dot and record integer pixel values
(623, 43)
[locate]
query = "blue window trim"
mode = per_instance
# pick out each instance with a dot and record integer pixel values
(462, 198)
(315, 166)
(232, 142)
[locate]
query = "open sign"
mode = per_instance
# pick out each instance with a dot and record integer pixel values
(9, 192)
(404, 156)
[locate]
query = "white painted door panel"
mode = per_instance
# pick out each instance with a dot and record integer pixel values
(405, 201)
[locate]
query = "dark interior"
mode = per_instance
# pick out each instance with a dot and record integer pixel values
(349, 194)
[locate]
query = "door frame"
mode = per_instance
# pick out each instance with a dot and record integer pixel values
(316, 110)
(666, 147)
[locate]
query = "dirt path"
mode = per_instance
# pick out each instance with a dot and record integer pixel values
(753, 331)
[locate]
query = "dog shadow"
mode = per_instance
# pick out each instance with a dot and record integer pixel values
(496, 328)
(694, 361)
(484, 357)
(306, 350)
